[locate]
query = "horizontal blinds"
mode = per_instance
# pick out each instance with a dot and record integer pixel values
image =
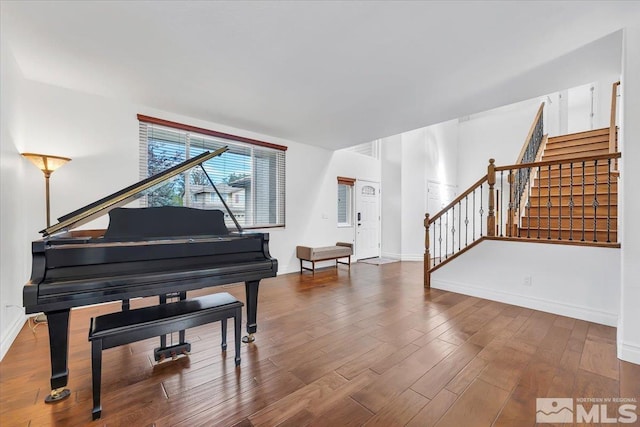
(250, 178)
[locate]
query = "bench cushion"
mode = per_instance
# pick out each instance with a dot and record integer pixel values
(109, 324)
(326, 252)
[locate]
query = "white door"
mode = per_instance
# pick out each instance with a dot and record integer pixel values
(367, 219)
(438, 196)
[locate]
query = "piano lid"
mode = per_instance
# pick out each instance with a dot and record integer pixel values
(122, 197)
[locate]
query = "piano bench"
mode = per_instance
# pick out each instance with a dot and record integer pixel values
(124, 327)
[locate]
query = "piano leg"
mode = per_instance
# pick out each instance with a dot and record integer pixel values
(58, 323)
(251, 290)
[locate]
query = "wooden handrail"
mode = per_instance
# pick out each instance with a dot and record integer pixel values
(560, 161)
(612, 123)
(530, 134)
(458, 199)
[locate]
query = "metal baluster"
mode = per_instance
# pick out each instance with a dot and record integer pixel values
(440, 238)
(501, 205)
(608, 200)
(473, 226)
(560, 203)
(595, 200)
(481, 211)
(459, 223)
(583, 204)
(466, 220)
(453, 229)
(571, 201)
(539, 199)
(548, 204)
(529, 204)
(446, 237)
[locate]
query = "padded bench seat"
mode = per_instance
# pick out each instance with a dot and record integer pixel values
(124, 327)
(313, 255)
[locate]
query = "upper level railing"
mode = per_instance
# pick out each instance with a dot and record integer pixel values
(531, 151)
(613, 140)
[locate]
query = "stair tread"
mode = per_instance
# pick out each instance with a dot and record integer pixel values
(566, 143)
(578, 135)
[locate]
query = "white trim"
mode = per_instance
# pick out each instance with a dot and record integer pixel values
(412, 257)
(629, 352)
(391, 255)
(579, 312)
(11, 334)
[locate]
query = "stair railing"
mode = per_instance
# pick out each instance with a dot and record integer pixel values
(587, 215)
(531, 151)
(456, 227)
(586, 211)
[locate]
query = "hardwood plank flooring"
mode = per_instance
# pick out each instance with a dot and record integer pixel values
(338, 348)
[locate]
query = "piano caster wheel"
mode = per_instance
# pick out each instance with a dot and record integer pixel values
(249, 338)
(57, 395)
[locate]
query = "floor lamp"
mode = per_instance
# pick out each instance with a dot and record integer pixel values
(47, 164)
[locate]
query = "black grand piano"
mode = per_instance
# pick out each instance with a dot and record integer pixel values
(144, 252)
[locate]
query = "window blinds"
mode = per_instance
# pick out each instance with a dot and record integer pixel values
(250, 177)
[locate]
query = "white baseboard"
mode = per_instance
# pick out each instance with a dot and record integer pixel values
(391, 255)
(11, 334)
(629, 353)
(570, 310)
(412, 257)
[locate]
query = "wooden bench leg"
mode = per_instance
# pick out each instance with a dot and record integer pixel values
(224, 334)
(96, 374)
(237, 323)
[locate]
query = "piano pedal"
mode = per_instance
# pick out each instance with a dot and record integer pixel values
(249, 338)
(162, 353)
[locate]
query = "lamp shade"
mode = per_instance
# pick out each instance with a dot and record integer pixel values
(45, 162)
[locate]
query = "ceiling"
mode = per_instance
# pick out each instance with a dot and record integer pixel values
(326, 73)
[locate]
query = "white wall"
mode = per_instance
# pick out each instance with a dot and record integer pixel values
(17, 209)
(391, 196)
(629, 323)
(101, 137)
(579, 288)
(499, 133)
(408, 162)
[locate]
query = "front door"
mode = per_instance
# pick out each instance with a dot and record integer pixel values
(367, 219)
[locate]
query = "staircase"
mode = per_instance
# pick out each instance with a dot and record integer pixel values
(574, 201)
(561, 190)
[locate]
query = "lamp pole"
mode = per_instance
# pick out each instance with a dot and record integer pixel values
(47, 175)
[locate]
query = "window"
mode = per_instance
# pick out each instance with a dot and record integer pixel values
(250, 176)
(345, 201)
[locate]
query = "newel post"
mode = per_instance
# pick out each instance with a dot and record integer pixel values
(427, 255)
(491, 216)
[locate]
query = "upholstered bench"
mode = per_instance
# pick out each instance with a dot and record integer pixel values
(313, 255)
(124, 327)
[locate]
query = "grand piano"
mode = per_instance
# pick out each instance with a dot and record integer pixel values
(143, 252)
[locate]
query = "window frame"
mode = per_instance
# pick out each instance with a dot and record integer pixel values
(348, 184)
(278, 186)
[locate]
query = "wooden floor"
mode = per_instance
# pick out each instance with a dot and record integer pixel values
(370, 347)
